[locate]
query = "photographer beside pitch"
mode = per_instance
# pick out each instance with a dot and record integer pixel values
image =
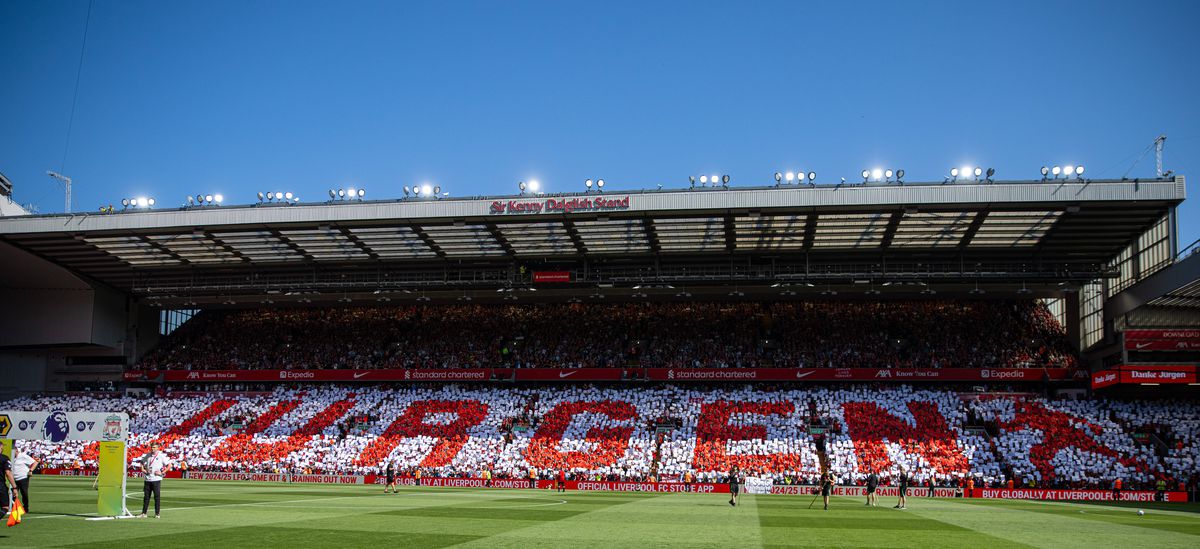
(872, 486)
(901, 504)
(734, 485)
(826, 488)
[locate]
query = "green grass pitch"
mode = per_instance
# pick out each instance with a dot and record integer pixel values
(223, 515)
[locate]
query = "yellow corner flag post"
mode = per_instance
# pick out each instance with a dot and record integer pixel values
(110, 479)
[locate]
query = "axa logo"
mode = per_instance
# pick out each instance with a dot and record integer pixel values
(193, 375)
(883, 373)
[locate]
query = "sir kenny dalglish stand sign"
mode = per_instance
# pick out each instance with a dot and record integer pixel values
(109, 429)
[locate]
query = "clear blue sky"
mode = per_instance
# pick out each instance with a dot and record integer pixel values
(178, 97)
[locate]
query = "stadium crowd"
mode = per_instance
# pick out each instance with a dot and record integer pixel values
(891, 334)
(663, 431)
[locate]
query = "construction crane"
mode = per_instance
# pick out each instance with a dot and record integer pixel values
(66, 182)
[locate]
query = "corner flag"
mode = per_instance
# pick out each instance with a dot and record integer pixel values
(18, 510)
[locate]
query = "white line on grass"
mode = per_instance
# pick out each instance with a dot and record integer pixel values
(280, 503)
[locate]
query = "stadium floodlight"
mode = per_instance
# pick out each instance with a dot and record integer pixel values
(1045, 172)
(406, 190)
(341, 193)
(600, 184)
(270, 195)
(778, 177)
(587, 183)
(191, 201)
(812, 178)
(521, 185)
(362, 193)
(535, 186)
(954, 174)
(1078, 170)
(437, 189)
(208, 198)
(713, 179)
(703, 180)
(1056, 170)
(900, 176)
(426, 189)
(877, 174)
(1067, 171)
(125, 202)
(351, 193)
(288, 195)
(887, 175)
(692, 181)
(799, 176)
(332, 194)
(978, 172)
(789, 177)
(866, 175)
(260, 195)
(218, 198)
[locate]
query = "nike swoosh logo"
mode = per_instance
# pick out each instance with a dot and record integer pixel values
(1143, 345)
(802, 374)
(567, 374)
(360, 374)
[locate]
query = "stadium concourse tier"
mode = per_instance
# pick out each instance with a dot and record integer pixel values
(806, 334)
(662, 431)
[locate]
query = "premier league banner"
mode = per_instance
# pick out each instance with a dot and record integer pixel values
(60, 426)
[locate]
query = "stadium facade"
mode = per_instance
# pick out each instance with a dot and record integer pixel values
(86, 295)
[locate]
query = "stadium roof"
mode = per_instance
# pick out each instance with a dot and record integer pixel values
(1031, 232)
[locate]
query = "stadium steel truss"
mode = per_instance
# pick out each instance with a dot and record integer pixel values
(1032, 237)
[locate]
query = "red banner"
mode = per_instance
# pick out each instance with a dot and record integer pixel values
(615, 374)
(1133, 374)
(582, 485)
(857, 374)
(860, 491)
(1073, 495)
(540, 277)
(555, 374)
(1104, 379)
(1162, 345)
(1162, 340)
(474, 374)
(1157, 376)
(1187, 333)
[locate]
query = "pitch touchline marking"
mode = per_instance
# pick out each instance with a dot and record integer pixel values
(130, 496)
(232, 504)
